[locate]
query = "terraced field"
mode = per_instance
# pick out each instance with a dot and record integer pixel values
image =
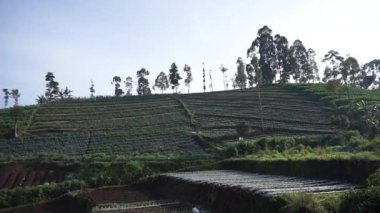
(281, 112)
(134, 125)
(258, 183)
(159, 124)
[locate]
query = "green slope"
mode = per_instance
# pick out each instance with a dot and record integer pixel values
(165, 125)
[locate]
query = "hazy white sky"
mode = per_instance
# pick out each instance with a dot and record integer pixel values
(80, 40)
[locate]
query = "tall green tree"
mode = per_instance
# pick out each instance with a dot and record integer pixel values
(333, 61)
(250, 74)
(264, 47)
(15, 95)
(142, 82)
(6, 97)
(240, 76)
(174, 77)
(162, 82)
(371, 71)
(116, 80)
(189, 76)
(282, 58)
(300, 67)
(350, 70)
(313, 72)
(52, 87)
(128, 85)
(224, 69)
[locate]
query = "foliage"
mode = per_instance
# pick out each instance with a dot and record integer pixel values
(301, 202)
(174, 77)
(6, 97)
(300, 68)
(15, 95)
(365, 200)
(348, 145)
(371, 70)
(283, 65)
(128, 85)
(350, 70)
(92, 89)
(161, 82)
(142, 82)
(224, 69)
(65, 93)
(20, 196)
(117, 80)
(374, 179)
(52, 88)
(240, 76)
(264, 47)
(189, 76)
(332, 70)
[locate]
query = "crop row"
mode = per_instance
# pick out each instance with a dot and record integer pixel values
(261, 184)
(157, 206)
(169, 119)
(266, 114)
(112, 106)
(175, 140)
(103, 114)
(15, 179)
(227, 126)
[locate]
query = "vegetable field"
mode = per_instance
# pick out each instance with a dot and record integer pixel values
(125, 126)
(273, 111)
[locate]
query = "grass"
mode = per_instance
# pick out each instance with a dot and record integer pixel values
(350, 145)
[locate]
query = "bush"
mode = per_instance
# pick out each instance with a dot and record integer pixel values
(300, 202)
(357, 201)
(374, 179)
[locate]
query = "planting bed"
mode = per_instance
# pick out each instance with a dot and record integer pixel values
(20, 175)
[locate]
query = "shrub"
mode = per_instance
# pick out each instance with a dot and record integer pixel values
(374, 179)
(357, 201)
(300, 202)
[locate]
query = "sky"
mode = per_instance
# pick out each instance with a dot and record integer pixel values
(84, 40)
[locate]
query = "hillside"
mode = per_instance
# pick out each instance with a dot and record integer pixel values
(164, 125)
(85, 143)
